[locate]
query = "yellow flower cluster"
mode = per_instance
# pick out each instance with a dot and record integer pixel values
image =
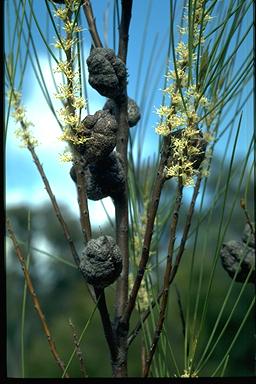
(69, 92)
(66, 44)
(142, 301)
(181, 164)
(176, 116)
(188, 374)
(201, 18)
(70, 5)
(19, 114)
(68, 135)
(64, 67)
(66, 156)
(71, 27)
(187, 103)
(70, 120)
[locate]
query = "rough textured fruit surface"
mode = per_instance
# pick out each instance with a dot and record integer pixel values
(107, 73)
(104, 178)
(101, 261)
(132, 109)
(100, 129)
(232, 253)
(107, 175)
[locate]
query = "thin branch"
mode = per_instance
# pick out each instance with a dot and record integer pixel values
(121, 214)
(34, 297)
(79, 168)
(124, 29)
(138, 326)
(121, 205)
(91, 23)
(151, 214)
(243, 206)
(82, 197)
(82, 201)
(152, 210)
(143, 356)
(169, 264)
(78, 350)
(108, 330)
(55, 205)
(79, 163)
(186, 228)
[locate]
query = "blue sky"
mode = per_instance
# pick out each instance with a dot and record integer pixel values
(23, 184)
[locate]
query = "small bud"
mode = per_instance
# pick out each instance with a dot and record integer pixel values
(100, 130)
(231, 254)
(101, 261)
(242, 203)
(107, 73)
(133, 110)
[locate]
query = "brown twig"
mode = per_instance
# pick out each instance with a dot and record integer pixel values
(121, 214)
(168, 269)
(108, 330)
(55, 205)
(248, 219)
(91, 23)
(138, 326)
(151, 215)
(78, 350)
(81, 181)
(34, 297)
(186, 228)
(82, 201)
(152, 210)
(121, 205)
(124, 29)
(143, 356)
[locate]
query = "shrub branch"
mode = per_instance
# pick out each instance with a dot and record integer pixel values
(124, 29)
(152, 210)
(34, 297)
(169, 264)
(108, 330)
(55, 205)
(180, 252)
(91, 23)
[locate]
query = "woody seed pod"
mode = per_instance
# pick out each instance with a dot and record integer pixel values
(107, 73)
(100, 130)
(104, 178)
(132, 109)
(231, 254)
(101, 261)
